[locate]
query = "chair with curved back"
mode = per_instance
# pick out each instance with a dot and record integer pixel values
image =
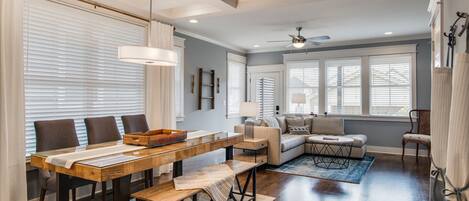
(419, 132)
(57, 134)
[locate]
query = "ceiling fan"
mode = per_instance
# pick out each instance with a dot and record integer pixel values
(299, 41)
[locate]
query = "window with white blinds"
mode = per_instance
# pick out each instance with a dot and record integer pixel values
(236, 83)
(343, 86)
(72, 70)
(265, 97)
(390, 85)
(303, 78)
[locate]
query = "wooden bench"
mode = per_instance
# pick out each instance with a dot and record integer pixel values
(167, 192)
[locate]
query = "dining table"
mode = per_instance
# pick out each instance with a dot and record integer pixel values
(118, 167)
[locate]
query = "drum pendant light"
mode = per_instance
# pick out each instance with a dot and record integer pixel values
(148, 55)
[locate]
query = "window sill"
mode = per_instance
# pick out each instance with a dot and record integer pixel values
(233, 116)
(371, 118)
(179, 119)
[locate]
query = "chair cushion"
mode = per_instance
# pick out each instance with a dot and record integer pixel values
(417, 137)
(282, 122)
(358, 139)
(328, 125)
(289, 141)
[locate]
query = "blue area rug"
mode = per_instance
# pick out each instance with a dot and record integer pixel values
(304, 166)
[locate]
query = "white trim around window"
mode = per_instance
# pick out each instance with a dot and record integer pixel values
(179, 73)
(364, 54)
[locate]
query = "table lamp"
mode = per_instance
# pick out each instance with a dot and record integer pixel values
(298, 98)
(248, 109)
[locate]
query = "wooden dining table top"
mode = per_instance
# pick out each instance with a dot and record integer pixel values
(117, 165)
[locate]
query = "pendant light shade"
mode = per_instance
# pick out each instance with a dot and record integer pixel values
(147, 55)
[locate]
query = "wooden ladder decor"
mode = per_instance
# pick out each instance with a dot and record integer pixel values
(204, 86)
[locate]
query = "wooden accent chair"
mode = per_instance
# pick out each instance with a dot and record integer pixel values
(57, 134)
(419, 132)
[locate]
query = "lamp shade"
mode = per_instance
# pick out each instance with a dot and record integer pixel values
(298, 98)
(248, 109)
(147, 55)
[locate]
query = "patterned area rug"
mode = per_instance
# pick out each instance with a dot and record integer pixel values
(304, 166)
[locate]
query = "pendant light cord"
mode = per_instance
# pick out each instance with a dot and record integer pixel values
(149, 21)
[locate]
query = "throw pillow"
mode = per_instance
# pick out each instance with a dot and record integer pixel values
(299, 130)
(282, 123)
(271, 122)
(294, 122)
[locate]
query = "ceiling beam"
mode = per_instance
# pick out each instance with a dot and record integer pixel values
(232, 3)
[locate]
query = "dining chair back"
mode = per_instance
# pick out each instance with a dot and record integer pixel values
(102, 129)
(135, 123)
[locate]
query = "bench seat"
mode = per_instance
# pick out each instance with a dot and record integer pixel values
(167, 191)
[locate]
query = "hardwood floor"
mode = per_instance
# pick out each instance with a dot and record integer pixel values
(389, 179)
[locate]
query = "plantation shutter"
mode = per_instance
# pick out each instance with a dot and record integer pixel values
(344, 86)
(303, 78)
(265, 97)
(390, 85)
(72, 70)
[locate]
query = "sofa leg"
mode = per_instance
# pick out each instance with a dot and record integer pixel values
(403, 149)
(417, 151)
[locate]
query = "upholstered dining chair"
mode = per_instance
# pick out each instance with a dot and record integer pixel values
(134, 124)
(57, 134)
(419, 132)
(100, 130)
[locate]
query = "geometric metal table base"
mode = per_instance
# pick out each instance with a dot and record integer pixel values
(332, 156)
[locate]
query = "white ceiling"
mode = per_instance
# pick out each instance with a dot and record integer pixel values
(258, 21)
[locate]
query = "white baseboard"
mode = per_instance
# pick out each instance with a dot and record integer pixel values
(396, 151)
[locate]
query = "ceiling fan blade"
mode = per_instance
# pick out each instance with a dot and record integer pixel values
(289, 45)
(315, 43)
(293, 36)
(278, 41)
(319, 38)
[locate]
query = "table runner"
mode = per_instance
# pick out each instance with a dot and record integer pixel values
(66, 160)
(215, 180)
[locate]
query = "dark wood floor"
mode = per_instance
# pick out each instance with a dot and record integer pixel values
(389, 179)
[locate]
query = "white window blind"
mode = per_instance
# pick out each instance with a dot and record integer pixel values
(236, 83)
(343, 86)
(72, 70)
(303, 78)
(265, 97)
(390, 85)
(179, 79)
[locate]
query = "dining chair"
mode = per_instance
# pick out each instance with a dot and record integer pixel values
(134, 124)
(419, 132)
(57, 134)
(100, 130)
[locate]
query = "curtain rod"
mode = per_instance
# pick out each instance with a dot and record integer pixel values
(123, 12)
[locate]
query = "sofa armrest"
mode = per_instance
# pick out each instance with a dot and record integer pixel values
(273, 136)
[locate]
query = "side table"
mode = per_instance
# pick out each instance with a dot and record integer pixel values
(252, 150)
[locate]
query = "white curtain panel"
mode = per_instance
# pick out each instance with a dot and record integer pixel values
(458, 139)
(160, 86)
(441, 106)
(12, 154)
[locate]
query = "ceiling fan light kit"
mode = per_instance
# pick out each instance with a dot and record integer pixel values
(148, 55)
(299, 41)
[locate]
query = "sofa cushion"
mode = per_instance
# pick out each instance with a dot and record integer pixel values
(291, 141)
(294, 122)
(358, 139)
(282, 122)
(328, 125)
(309, 123)
(271, 122)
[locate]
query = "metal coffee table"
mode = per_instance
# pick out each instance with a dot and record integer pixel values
(331, 152)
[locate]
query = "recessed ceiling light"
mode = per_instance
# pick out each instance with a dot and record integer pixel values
(194, 21)
(256, 45)
(388, 33)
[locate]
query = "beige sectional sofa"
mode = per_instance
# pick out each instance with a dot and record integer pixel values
(284, 146)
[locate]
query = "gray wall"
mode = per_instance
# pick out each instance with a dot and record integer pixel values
(198, 53)
(380, 133)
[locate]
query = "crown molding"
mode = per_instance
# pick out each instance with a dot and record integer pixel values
(346, 43)
(210, 40)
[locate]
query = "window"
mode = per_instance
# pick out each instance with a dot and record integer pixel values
(303, 78)
(72, 70)
(236, 83)
(390, 85)
(179, 78)
(265, 97)
(344, 86)
(359, 83)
